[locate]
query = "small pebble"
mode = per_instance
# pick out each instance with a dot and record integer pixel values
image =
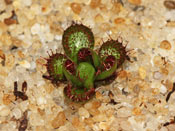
(99, 18)
(169, 4)
(36, 9)
(8, 98)
(3, 27)
(35, 119)
(75, 122)
(17, 113)
(88, 105)
(76, 8)
(119, 21)
(94, 112)
(116, 7)
(24, 105)
(8, 1)
(58, 37)
(164, 71)
(98, 95)
(27, 2)
(40, 128)
(25, 64)
(10, 21)
(49, 36)
(17, 42)
(35, 29)
(171, 127)
(122, 74)
(165, 45)
(6, 39)
(164, 129)
(136, 111)
(125, 125)
(41, 101)
(95, 3)
(158, 62)
(105, 27)
(10, 60)
(83, 112)
(17, 4)
(163, 89)
(59, 120)
(100, 118)
(136, 89)
(4, 111)
(104, 126)
(157, 75)
(96, 104)
(124, 112)
(142, 72)
(171, 24)
(2, 5)
(155, 91)
(135, 2)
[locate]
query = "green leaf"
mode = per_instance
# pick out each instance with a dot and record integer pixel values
(71, 77)
(75, 37)
(114, 48)
(96, 59)
(86, 73)
(106, 73)
(55, 66)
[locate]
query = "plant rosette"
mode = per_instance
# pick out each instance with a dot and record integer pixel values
(81, 66)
